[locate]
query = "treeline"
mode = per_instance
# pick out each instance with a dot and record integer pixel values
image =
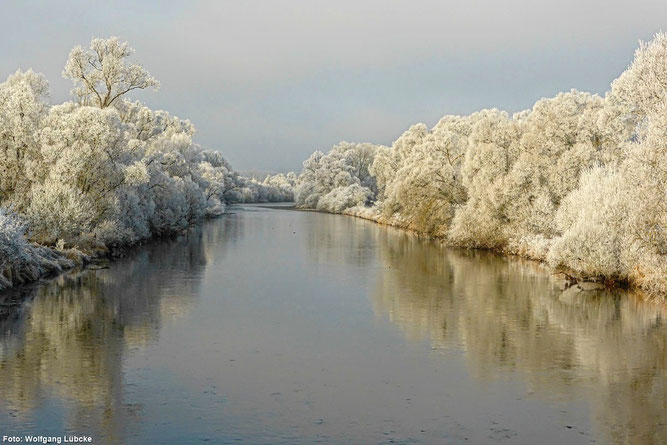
(577, 181)
(103, 171)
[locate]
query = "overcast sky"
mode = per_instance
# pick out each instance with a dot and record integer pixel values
(268, 82)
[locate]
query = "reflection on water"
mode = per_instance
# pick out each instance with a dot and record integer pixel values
(247, 290)
(508, 313)
(69, 339)
(336, 240)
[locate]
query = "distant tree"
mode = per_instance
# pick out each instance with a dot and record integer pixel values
(102, 74)
(339, 179)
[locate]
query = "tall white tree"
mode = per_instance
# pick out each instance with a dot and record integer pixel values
(103, 74)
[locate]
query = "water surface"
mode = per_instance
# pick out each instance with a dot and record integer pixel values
(274, 326)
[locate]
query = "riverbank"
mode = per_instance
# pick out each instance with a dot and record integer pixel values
(37, 262)
(570, 277)
(22, 261)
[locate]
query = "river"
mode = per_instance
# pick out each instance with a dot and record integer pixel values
(272, 326)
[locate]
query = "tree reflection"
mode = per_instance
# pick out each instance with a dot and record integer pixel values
(509, 313)
(69, 339)
(337, 239)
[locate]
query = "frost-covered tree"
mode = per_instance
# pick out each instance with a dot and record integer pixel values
(645, 171)
(518, 170)
(493, 147)
(594, 225)
(102, 74)
(642, 88)
(421, 175)
(23, 106)
(85, 153)
(343, 173)
(388, 160)
(280, 187)
(614, 225)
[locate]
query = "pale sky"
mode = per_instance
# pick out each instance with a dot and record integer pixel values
(269, 82)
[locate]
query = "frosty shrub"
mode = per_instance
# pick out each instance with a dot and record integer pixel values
(13, 244)
(342, 198)
(21, 261)
(594, 225)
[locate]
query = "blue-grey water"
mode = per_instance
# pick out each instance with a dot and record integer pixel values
(272, 326)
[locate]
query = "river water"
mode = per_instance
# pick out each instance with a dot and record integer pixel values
(271, 326)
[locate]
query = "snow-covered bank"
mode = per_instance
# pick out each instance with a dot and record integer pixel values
(22, 262)
(579, 181)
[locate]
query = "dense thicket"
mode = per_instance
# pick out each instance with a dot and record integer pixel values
(103, 171)
(338, 180)
(578, 180)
